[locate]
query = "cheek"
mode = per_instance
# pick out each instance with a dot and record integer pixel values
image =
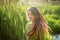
(32, 18)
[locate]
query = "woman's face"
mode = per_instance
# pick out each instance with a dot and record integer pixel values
(30, 16)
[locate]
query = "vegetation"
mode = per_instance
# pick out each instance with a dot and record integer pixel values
(52, 15)
(13, 20)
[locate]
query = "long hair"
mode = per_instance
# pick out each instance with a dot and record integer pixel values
(39, 20)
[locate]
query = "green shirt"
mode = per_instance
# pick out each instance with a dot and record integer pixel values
(39, 33)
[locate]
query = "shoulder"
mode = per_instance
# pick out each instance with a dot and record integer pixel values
(29, 23)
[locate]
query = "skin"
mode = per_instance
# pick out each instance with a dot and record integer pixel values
(30, 16)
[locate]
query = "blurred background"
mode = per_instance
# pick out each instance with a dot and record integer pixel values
(13, 17)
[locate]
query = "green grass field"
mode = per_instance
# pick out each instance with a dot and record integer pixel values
(13, 20)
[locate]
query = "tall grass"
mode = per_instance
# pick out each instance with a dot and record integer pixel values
(13, 20)
(52, 16)
(12, 23)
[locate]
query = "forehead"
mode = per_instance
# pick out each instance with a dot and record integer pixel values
(29, 12)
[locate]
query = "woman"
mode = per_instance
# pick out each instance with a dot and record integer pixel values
(37, 28)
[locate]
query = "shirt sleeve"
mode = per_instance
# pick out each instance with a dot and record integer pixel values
(27, 27)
